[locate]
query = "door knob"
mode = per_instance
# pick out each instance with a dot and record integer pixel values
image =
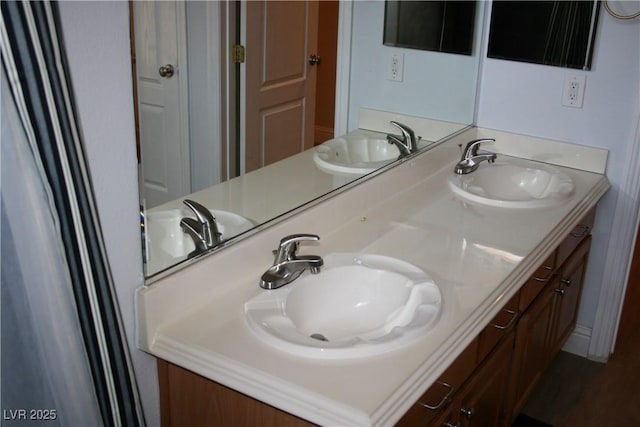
(314, 59)
(166, 71)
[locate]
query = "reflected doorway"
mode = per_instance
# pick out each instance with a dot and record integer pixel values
(202, 141)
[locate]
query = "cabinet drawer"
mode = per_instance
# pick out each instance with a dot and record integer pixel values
(537, 282)
(435, 401)
(577, 235)
(499, 326)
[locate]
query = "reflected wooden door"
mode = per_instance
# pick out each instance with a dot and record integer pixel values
(280, 79)
(161, 74)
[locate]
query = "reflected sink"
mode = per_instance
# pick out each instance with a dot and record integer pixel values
(513, 183)
(359, 305)
(167, 243)
(355, 154)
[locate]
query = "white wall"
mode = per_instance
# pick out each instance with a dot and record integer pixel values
(526, 98)
(204, 95)
(96, 37)
(435, 84)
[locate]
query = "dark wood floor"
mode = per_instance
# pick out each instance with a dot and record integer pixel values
(576, 392)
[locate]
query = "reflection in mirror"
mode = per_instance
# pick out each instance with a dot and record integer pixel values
(559, 33)
(276, 184)
(441, 26)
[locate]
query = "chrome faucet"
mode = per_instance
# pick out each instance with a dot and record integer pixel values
(203, 229)
(407, 143)
(288, 265)
(471, 157)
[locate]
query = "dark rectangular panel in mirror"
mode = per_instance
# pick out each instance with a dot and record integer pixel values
(559, 33)
(441, 26)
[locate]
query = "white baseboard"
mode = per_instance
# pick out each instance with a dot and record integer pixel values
(578, 342)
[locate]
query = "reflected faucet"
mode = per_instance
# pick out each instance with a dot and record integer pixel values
(407, 143)
(288, 265)
(203, 229)
(471, 157)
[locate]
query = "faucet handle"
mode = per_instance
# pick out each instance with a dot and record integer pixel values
(203, 215)
(407, 132)
(472, 147)
(210, 233)
(289, 245)
(192, 228)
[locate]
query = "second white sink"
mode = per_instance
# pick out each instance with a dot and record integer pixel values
(513, 183)
(359, 305)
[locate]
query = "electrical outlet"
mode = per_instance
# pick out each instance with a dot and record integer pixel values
(396, 67)
(573, 90)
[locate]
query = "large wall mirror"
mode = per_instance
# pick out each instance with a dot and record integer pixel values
(248, 158)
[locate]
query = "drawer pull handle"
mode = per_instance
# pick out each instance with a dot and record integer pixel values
(514, 316)
(444, 400)
(580, 231)
(548, 276)
(469, 413)
(560, 291)
(566, 282)
(450, 424)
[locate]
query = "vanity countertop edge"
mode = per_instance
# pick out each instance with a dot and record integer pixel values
(193, 318)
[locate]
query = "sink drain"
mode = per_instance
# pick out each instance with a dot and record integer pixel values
(319, 337)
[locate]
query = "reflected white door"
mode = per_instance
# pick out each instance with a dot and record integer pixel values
(281, 37)
(162, 108)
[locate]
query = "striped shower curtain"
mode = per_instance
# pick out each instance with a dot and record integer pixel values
(64, 358)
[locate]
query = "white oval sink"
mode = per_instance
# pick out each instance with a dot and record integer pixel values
(355, 154)
(168, 244)
(513, 183)
(358, 305)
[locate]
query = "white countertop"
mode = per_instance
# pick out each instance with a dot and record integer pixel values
(478, 256)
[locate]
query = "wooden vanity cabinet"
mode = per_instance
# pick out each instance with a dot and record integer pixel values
(550, 318)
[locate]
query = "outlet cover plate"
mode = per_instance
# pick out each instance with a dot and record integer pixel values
(573, 90)
(395, 70)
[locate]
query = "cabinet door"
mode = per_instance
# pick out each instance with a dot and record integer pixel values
(537, 282)
(532, 351)
(430, 408)
(447, 418)
(187, 399)
(499, 327)
(434, 405)
(568, 292)
(481, 401)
